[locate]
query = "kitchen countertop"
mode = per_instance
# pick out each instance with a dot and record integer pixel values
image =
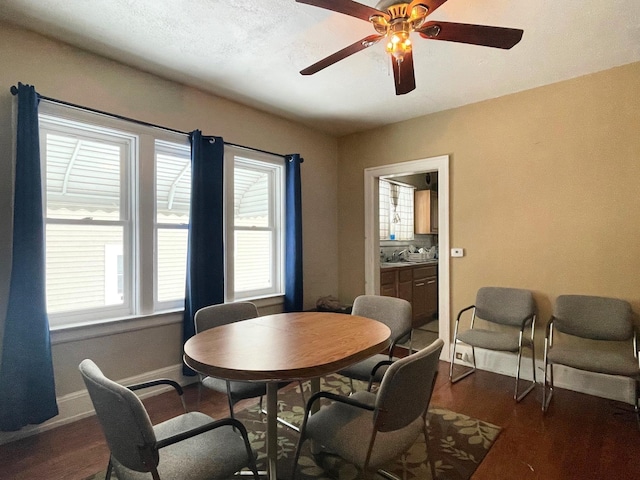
(407, 264)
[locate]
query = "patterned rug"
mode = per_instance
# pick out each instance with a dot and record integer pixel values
(458, 443)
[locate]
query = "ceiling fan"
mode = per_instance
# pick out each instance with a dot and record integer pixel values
(395, 21)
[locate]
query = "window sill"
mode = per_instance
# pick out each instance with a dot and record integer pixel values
(100, 328)
(94, 329)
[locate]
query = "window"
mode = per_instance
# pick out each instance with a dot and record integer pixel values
(110, 253)
(173, 195)
(117, 198)
(396, 211)
(254, 216)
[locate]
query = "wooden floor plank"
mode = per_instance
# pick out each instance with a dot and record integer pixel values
(580, 437)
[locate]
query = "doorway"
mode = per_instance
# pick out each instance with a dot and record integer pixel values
(440, 165)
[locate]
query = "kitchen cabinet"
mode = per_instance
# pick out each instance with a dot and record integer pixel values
(405, 284)
(388, 283)
(417, 284)
(425, 294)
(425, 208)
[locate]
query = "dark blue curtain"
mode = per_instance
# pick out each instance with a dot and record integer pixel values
(27, 389)
(205, 253)
(293, 239)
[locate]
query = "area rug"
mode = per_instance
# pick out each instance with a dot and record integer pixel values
(458, 443)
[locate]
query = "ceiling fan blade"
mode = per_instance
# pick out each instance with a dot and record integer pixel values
(403, 74)
(484, 35)
(355, 9)
(340, 54)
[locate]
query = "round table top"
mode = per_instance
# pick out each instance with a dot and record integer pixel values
(285, 346)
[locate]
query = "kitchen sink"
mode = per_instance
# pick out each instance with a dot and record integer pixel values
(408, 262)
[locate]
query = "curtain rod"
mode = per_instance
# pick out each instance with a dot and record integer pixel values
(14, 91)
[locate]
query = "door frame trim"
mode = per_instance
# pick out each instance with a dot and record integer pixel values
(438, 164)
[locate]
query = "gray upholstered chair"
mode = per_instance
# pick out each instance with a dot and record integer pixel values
(599, 336)
(215, 316)
(192, 445)
(223, 314)
(511, 311)
(393, 312)
(371, 429)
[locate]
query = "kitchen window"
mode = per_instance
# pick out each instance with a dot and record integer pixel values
(396, 210)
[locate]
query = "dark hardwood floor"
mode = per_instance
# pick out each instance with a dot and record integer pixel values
(581, 437)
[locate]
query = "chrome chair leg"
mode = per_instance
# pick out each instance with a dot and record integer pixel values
(637, 405)
(464, 374)
(517, 397)
(547, 393)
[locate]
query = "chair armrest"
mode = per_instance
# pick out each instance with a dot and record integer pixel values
(380, 365)
(530, 318)
(462, 311)
(337, 398)
(547, 330)
(154, 383)
(202, 429)
(377, 366)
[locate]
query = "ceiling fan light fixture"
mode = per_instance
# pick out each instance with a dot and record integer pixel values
(399, 43)
(380, 24)
(418, 15)
(395, 21)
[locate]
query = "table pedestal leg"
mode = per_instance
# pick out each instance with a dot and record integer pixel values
(272, 429)
(315, 388)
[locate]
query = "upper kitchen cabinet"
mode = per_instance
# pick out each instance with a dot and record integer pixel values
(426, 212)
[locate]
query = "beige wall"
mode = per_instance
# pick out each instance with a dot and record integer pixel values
(544, 189)
(66, 73)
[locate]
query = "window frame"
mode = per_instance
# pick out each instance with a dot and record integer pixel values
(275, 166)
(140, 280)
(388, 214)
(166, 147)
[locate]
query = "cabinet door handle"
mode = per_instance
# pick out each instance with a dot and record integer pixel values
(419, 284)
(431, 281)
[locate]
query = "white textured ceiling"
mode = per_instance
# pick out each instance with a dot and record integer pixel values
(252, 51)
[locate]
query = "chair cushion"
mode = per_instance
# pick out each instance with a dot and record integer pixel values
(345, 431)
(609, 362)
(492, 340)
(362, 370)
(239, 390)
(218, 453)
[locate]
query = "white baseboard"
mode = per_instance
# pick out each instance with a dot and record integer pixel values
(597, 384)
(77, 405)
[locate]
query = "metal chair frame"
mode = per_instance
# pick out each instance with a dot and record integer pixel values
(147, 451)
(378, 425)
(521, 336)
(548, 368)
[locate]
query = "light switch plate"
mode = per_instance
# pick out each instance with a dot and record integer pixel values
(457, 252)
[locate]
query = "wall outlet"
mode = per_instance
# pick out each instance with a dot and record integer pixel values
(457, 252)
(458, 355)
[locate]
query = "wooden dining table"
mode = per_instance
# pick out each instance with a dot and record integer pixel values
(284, 347)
